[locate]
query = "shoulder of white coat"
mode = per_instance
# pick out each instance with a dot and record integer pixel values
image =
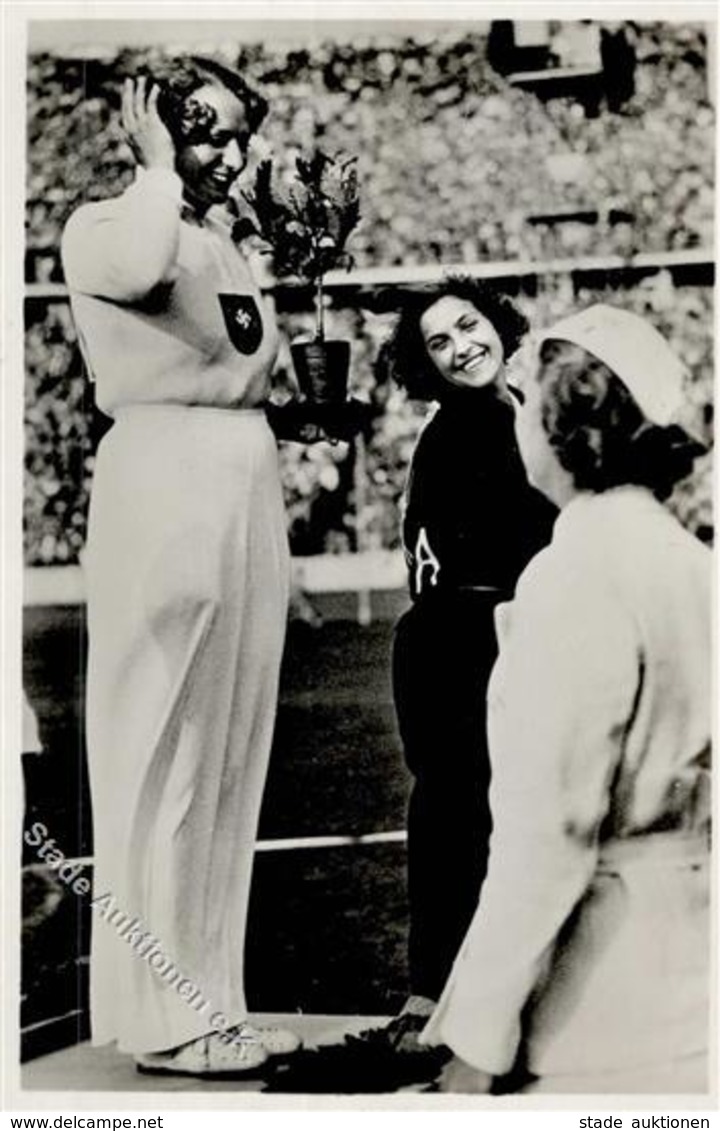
(540, 572)
(565, 575)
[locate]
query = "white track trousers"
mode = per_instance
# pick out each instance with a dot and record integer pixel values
(188, 581)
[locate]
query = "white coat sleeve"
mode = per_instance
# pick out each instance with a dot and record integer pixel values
(561, 696)
(121, 249)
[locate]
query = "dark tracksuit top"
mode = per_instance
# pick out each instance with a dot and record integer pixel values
(472, 523)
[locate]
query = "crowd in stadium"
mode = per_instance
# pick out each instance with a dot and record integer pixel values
(456, 166)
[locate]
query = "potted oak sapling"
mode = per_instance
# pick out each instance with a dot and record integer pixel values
(307, 221)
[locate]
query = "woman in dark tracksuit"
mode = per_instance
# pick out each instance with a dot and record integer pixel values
(472, 522)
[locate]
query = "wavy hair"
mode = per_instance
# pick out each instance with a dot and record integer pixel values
(597, 430)
(179, 79)
(404, 357)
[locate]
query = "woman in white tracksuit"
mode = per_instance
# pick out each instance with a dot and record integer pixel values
(187, 572)
(588, 958)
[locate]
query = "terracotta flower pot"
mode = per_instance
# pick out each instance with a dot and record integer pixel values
(322, 368)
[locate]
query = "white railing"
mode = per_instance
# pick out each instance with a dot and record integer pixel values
(493, 269)
(369, 570)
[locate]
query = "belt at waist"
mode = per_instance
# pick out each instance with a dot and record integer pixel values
(481, 589)
(448, 589)
(679, 849)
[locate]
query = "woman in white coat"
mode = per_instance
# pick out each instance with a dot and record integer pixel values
(588, 957)
(187, 571)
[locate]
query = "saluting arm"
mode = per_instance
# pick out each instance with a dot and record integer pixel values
(122, 249)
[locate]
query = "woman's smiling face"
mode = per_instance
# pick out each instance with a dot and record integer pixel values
(209, 166)
(462, 344)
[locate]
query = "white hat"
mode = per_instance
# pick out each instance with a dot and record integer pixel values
(634, 351)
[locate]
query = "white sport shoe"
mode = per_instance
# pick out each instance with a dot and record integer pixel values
(212, 1055)
(276, 1042)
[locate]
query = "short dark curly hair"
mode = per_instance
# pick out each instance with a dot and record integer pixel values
(599, 433)
(405, 358)
(178, 79)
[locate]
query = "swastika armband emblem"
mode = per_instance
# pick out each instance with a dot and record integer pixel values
(242, 321)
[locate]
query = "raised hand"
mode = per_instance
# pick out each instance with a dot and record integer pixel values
(149, 137)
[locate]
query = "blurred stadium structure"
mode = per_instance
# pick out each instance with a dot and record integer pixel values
(571, 162)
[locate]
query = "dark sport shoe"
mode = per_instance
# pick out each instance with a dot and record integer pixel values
(367, 1063)
(401, 1034)
(398, 1047)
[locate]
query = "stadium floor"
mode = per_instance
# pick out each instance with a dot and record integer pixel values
(87, 1069)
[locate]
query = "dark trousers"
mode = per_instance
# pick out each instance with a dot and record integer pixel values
(443, 654)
